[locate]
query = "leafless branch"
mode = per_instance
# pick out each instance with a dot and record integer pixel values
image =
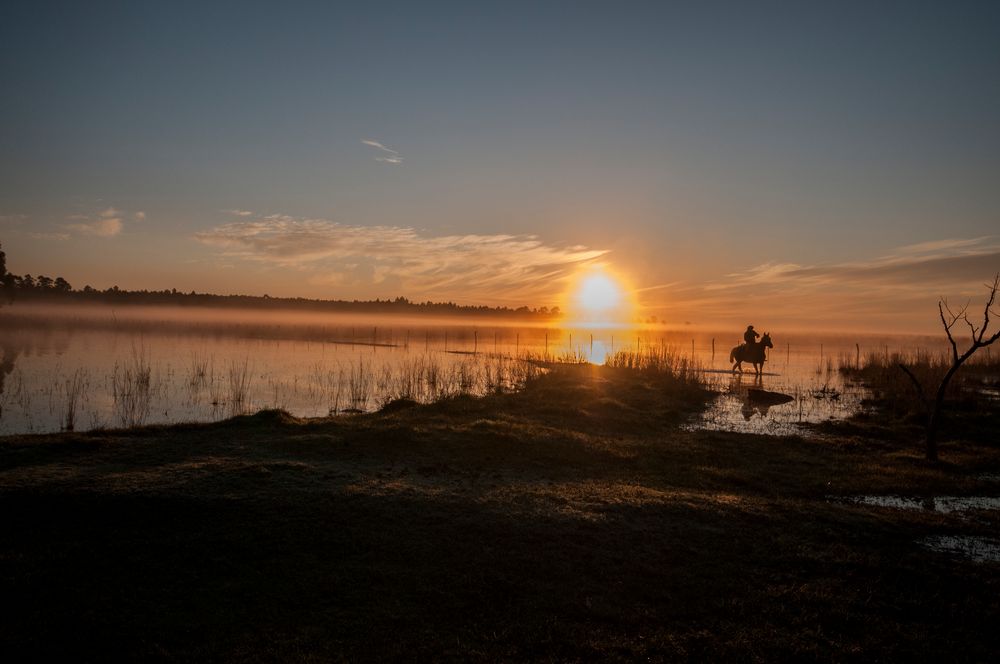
(972, 328)
(942, 305)
(979, 340)
(989, 305)
(916, 383)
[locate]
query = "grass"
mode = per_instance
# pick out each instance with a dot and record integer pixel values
(240, 387)
(132, 388)
(75, 387)
(569, 521)
(895, 395)
(136, 391)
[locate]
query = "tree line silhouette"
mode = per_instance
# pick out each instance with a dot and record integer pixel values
(41, 287)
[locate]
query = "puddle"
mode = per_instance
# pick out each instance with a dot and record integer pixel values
(779, 404)
(977, 549)
(940, 504)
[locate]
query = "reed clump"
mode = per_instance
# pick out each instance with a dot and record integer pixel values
(662, 360)
(75, 387)
(240, 383)
(198, 371)
(885, 374)
(132, 389)
(360, 378)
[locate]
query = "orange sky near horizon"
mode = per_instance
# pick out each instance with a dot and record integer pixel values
(809, 166)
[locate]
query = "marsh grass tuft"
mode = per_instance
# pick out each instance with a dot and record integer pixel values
(895, 391)
(240, 383)
(131, 388)
(75, 386)
(663, 360)
(360, 378)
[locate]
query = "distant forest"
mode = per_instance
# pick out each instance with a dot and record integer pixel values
(43, 288)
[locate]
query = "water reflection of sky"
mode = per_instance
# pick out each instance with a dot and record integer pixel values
(300, 373)
(814, 391)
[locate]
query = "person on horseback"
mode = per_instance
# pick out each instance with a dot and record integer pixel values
(751, 351)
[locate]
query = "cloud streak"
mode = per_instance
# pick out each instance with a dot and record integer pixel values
(391, 259)
(104, 223)
(103, 227)
(389, 155)
(897, 289)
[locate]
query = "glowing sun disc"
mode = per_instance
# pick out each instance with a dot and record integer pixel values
(598, 292)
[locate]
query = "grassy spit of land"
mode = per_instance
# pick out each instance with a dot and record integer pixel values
(571, 521)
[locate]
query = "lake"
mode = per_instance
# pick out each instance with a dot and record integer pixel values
(95, 367)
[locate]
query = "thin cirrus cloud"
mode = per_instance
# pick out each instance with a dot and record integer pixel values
(953, 263)
(487, 268)
(898, 288)
(388, 156)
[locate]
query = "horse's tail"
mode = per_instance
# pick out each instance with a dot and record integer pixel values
(732, 355)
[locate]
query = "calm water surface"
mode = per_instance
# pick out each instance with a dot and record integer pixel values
(108, 369)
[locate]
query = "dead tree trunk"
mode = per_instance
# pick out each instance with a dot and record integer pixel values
(978, 340)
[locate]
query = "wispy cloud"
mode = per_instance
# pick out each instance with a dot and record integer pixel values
(390, 156)
(139, 216)
(239, 213)
(105, 227)
(488, 268)
(951, 246)
(62, 237)
(902, 285)
(107, 222)
(946, 262)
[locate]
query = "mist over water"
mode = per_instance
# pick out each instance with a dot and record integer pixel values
(86, 367)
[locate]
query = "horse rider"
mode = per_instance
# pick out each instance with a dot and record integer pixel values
(750, 336)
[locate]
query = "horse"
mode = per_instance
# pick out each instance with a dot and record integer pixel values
(750, 353)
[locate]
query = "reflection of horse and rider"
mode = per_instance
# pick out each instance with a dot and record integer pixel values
(751, 351)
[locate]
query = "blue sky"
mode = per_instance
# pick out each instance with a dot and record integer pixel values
(682, 144)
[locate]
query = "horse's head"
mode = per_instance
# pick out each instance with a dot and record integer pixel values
(765, 340)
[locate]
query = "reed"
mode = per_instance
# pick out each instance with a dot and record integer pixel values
(465, 375)
(334, 393)
(880, 371)
(432, 378)
(198, 370)
(664, 360)
(385, 382)
(359, 385)
(131, 388)
(240, 383)
(215, 387)
(75, 386)
(495, 375)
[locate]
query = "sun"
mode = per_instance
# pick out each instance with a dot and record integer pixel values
(598, 292)
(599, 298)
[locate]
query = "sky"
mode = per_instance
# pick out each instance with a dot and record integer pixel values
(831, 165)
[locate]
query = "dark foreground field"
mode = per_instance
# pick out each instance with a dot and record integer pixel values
(574, 521)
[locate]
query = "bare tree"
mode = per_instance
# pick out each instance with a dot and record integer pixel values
(978, 339)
